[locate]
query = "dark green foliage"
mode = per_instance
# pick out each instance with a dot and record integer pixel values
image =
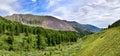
(10, 40)
(115, 24)
(41, 42)
(41, 37)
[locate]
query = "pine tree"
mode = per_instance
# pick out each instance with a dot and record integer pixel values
(10, 40)
(41, 42)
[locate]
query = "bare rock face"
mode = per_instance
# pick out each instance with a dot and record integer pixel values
(48, 22)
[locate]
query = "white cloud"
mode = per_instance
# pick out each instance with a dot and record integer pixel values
(100, 13)
(8, 7)
(53, 3)
(34, 0)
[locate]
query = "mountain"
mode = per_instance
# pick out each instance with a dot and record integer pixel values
(92, 28)
(79, 27)
(84, 28)
(50, 22)
(47, 22)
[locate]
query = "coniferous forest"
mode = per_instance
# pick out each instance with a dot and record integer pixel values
(17, 37)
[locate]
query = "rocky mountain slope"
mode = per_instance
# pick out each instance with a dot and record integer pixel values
(48, 22)
(79, 27)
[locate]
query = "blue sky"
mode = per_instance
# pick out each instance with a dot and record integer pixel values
(100, 13)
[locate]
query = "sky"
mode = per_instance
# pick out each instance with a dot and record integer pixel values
(100, 13)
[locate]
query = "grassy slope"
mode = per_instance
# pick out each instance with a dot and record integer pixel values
(105, 43)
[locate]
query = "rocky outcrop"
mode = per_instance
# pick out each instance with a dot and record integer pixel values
(48, 22)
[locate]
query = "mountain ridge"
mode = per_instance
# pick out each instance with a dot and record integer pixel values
(92, 27)
(85, 28)
(48, 22)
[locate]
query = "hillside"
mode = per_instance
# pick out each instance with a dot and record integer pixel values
(18, 39)
(47, 22)
(105, 43)
(115, 24)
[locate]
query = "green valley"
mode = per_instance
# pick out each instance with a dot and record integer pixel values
(22, 40)
(59, 27)
(17, 39)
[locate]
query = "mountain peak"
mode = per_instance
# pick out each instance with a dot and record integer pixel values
(48, 22)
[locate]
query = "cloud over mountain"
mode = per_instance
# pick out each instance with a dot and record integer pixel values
(97, 12)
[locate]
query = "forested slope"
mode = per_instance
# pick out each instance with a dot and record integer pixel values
(17, 37)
